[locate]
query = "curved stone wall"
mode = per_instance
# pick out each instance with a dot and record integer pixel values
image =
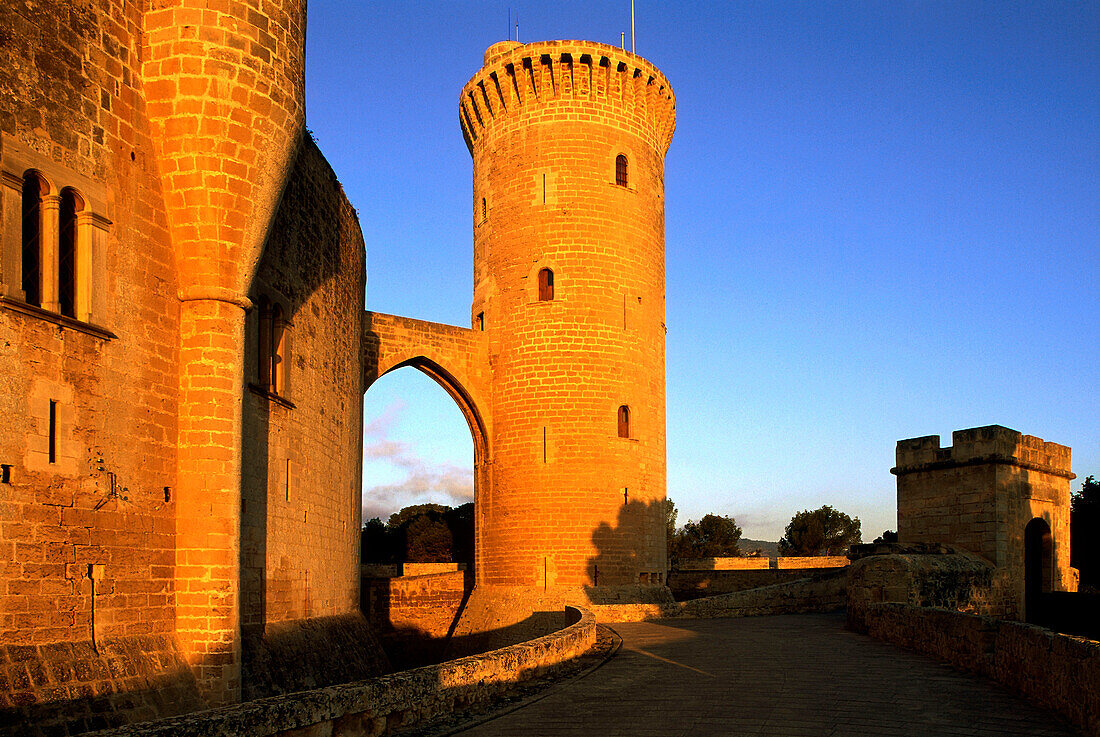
(380, 704)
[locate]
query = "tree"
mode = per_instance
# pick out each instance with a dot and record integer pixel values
(824, 531)
(671, 534)
(711, 537)
(889, 536)
(1084, 533)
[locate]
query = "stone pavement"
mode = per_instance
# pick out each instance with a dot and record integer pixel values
(788, 676)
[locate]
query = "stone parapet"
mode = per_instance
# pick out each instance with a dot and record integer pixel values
(992, 444)
(380, 705)
(523, 83)
(1059, 672)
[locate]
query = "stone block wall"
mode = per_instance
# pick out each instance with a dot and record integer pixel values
(982, 492)
(75, 115)
(1056, 671)
(574, 501)
(415, 614)
(810, 561)
(302, 442)
(378, 706)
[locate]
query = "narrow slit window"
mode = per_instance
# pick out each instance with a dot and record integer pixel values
(32, 239)
(484, 210)
(620, 170)
(264, 346)
(480, 321)
(66, 252)
(624, 422)
(53, 431)
(278, 350)
(546, 285)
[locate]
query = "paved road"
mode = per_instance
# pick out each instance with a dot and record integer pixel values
(788, 676)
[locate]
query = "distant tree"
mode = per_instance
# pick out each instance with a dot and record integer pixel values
(889, 536)
(377, 544)
(671, 533)
(422, 533)
(824, 531)
(428, 539)
(1084, 506)
(711, 537)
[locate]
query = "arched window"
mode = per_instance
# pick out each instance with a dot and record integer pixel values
(546, 285)
(271, 347)
(620, 170)
(66, 252)
(263, 345)
(33, 189)
(624, 421)
(278, 350)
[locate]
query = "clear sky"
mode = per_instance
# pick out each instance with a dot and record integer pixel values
(883, 221)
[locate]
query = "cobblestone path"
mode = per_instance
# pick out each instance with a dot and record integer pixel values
(788, 676)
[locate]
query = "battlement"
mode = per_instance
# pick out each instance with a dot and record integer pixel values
(591, 81)
(992, 444)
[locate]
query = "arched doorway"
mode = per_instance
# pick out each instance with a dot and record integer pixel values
(1038, 569)
(418, 448)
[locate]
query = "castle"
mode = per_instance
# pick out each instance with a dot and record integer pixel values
(184, 348)
(184, 351)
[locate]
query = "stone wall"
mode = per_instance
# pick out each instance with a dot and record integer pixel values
(722, 564)
(694, 584)
(415, 615)
(374, 707)
(822, 593)
(800, 562)
(73, 687)
(574, 502)
(1056, 671)
(981, 493)
(301, 436)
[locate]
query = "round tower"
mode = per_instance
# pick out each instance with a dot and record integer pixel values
(568, 140)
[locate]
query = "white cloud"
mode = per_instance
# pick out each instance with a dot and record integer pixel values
(420, 481)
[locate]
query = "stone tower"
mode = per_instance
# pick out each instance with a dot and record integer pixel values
(568, 140)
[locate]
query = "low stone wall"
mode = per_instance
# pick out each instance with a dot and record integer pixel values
(722, 564)
(824, 593)
(811, 561)
(72, 687)
(372, 708)
(1058, 672)
(695, 584)
(414, 615)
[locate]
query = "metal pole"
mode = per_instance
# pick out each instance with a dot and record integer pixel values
(632, 26)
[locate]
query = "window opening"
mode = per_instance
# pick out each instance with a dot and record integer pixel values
(264, 345)
(53, 431)
(67, 253)
(32, 239)
(278, 347)
(624, 423)
(484, 210)
(620, 170)
(480, 321)
(546, 285)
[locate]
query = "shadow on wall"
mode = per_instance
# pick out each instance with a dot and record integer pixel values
(631, 562)
(303, 380)
(74, 687)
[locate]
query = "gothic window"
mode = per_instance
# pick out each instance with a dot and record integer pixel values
(624, 421)
(33, 189)
(546, 285)
(620, 170)
(271, 347)
(66, 252)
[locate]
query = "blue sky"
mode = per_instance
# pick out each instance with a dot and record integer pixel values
(882, 221)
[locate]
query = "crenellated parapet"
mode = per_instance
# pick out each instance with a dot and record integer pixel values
(992, 444)
(552, 81)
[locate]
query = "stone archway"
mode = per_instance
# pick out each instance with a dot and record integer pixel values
(1038, 568)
